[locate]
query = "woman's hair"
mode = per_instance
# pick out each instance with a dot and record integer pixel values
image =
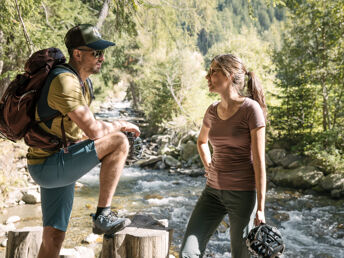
(232, 65)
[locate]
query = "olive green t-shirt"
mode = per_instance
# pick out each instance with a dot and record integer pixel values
(65, 95)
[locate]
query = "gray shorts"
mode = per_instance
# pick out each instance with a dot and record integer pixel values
(57, 177)
(208, 213)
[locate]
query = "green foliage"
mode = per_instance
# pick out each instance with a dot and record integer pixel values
(232, 16)
(173, 89)
(310, 77)
(168, 32)
(45, 23)
(327, 150)
(309, 71)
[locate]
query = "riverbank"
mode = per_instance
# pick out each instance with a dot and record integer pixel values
(178, 154)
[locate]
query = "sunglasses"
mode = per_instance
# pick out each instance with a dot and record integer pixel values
(212, 71)
(95, 53)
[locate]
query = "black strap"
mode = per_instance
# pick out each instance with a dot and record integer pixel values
(88, 80)
(64, 138)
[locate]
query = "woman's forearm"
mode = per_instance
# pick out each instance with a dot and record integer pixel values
(260, 178)
(258, 155)
(204, 152)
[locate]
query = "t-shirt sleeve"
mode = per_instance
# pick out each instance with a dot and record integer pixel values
(255, 116)
(207, 117)
(65, 93)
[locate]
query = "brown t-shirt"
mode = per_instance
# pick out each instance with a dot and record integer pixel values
(231, 164)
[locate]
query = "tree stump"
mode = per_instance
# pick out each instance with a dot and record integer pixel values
(145, 237)
(24, 243)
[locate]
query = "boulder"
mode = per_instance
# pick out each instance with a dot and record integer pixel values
(281, 216)
(188, 150)
(12, 219)
(6, 228)
(289, 159)
(147, 162)
(14, 196)
(192, 172)
(4, 243)
(91, 238)
(172, 162)
(337, 193)
(163, 149)
(295, 164)
(302, 177)
(167, 149)
(160, 138)
(191, 135)
(77, 252)
(332, 182)
(31, 197)
(277, 155)
(160, 165)
(268, 161)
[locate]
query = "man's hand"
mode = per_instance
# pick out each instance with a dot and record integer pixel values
(125, 126)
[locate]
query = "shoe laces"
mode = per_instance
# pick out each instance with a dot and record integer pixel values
(111, 216)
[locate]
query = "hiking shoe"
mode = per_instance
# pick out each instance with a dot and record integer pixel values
(108, 223)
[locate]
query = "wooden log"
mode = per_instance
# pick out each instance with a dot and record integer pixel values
(24, 243)
(145, 237)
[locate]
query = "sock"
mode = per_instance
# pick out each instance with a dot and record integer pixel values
(100, 210)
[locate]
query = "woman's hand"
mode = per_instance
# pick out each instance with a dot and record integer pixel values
(206, 169)
(203, 148)
(260, 218)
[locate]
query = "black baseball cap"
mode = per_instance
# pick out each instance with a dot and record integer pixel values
(86, 35)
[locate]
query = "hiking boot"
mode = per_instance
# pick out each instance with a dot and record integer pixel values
(108, 223)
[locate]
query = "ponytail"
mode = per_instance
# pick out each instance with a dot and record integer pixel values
(255, 91)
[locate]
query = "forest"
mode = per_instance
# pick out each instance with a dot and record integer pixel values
(164, 48)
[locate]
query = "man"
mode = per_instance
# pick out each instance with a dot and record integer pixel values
(68, 91)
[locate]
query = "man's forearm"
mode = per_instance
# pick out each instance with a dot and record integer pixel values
(119, 125)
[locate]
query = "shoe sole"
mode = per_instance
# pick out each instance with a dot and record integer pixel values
(113, 230)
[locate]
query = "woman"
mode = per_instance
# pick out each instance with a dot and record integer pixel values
(236, 177)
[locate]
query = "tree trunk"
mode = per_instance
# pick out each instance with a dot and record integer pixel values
(133, 91)
(143, 238)
(103, 13)
(326, 115)
(24, 243)
(27, 38)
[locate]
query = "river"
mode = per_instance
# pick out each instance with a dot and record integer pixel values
(312, 226)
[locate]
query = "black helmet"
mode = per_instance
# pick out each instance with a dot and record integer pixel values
(265, 241)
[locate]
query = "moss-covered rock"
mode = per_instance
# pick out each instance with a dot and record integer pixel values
(303, 177)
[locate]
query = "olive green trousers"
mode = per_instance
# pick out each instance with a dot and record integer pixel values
(208, 213)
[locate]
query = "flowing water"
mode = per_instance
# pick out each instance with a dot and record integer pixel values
(312, 226)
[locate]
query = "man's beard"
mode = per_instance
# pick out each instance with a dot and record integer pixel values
(95, 70)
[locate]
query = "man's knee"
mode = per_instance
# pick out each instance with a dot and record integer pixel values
(113, 143)
(122, 142)
(53, 237)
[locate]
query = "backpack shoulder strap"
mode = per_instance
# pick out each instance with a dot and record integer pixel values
(45, 112)
(90, 87)
(88, 80)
